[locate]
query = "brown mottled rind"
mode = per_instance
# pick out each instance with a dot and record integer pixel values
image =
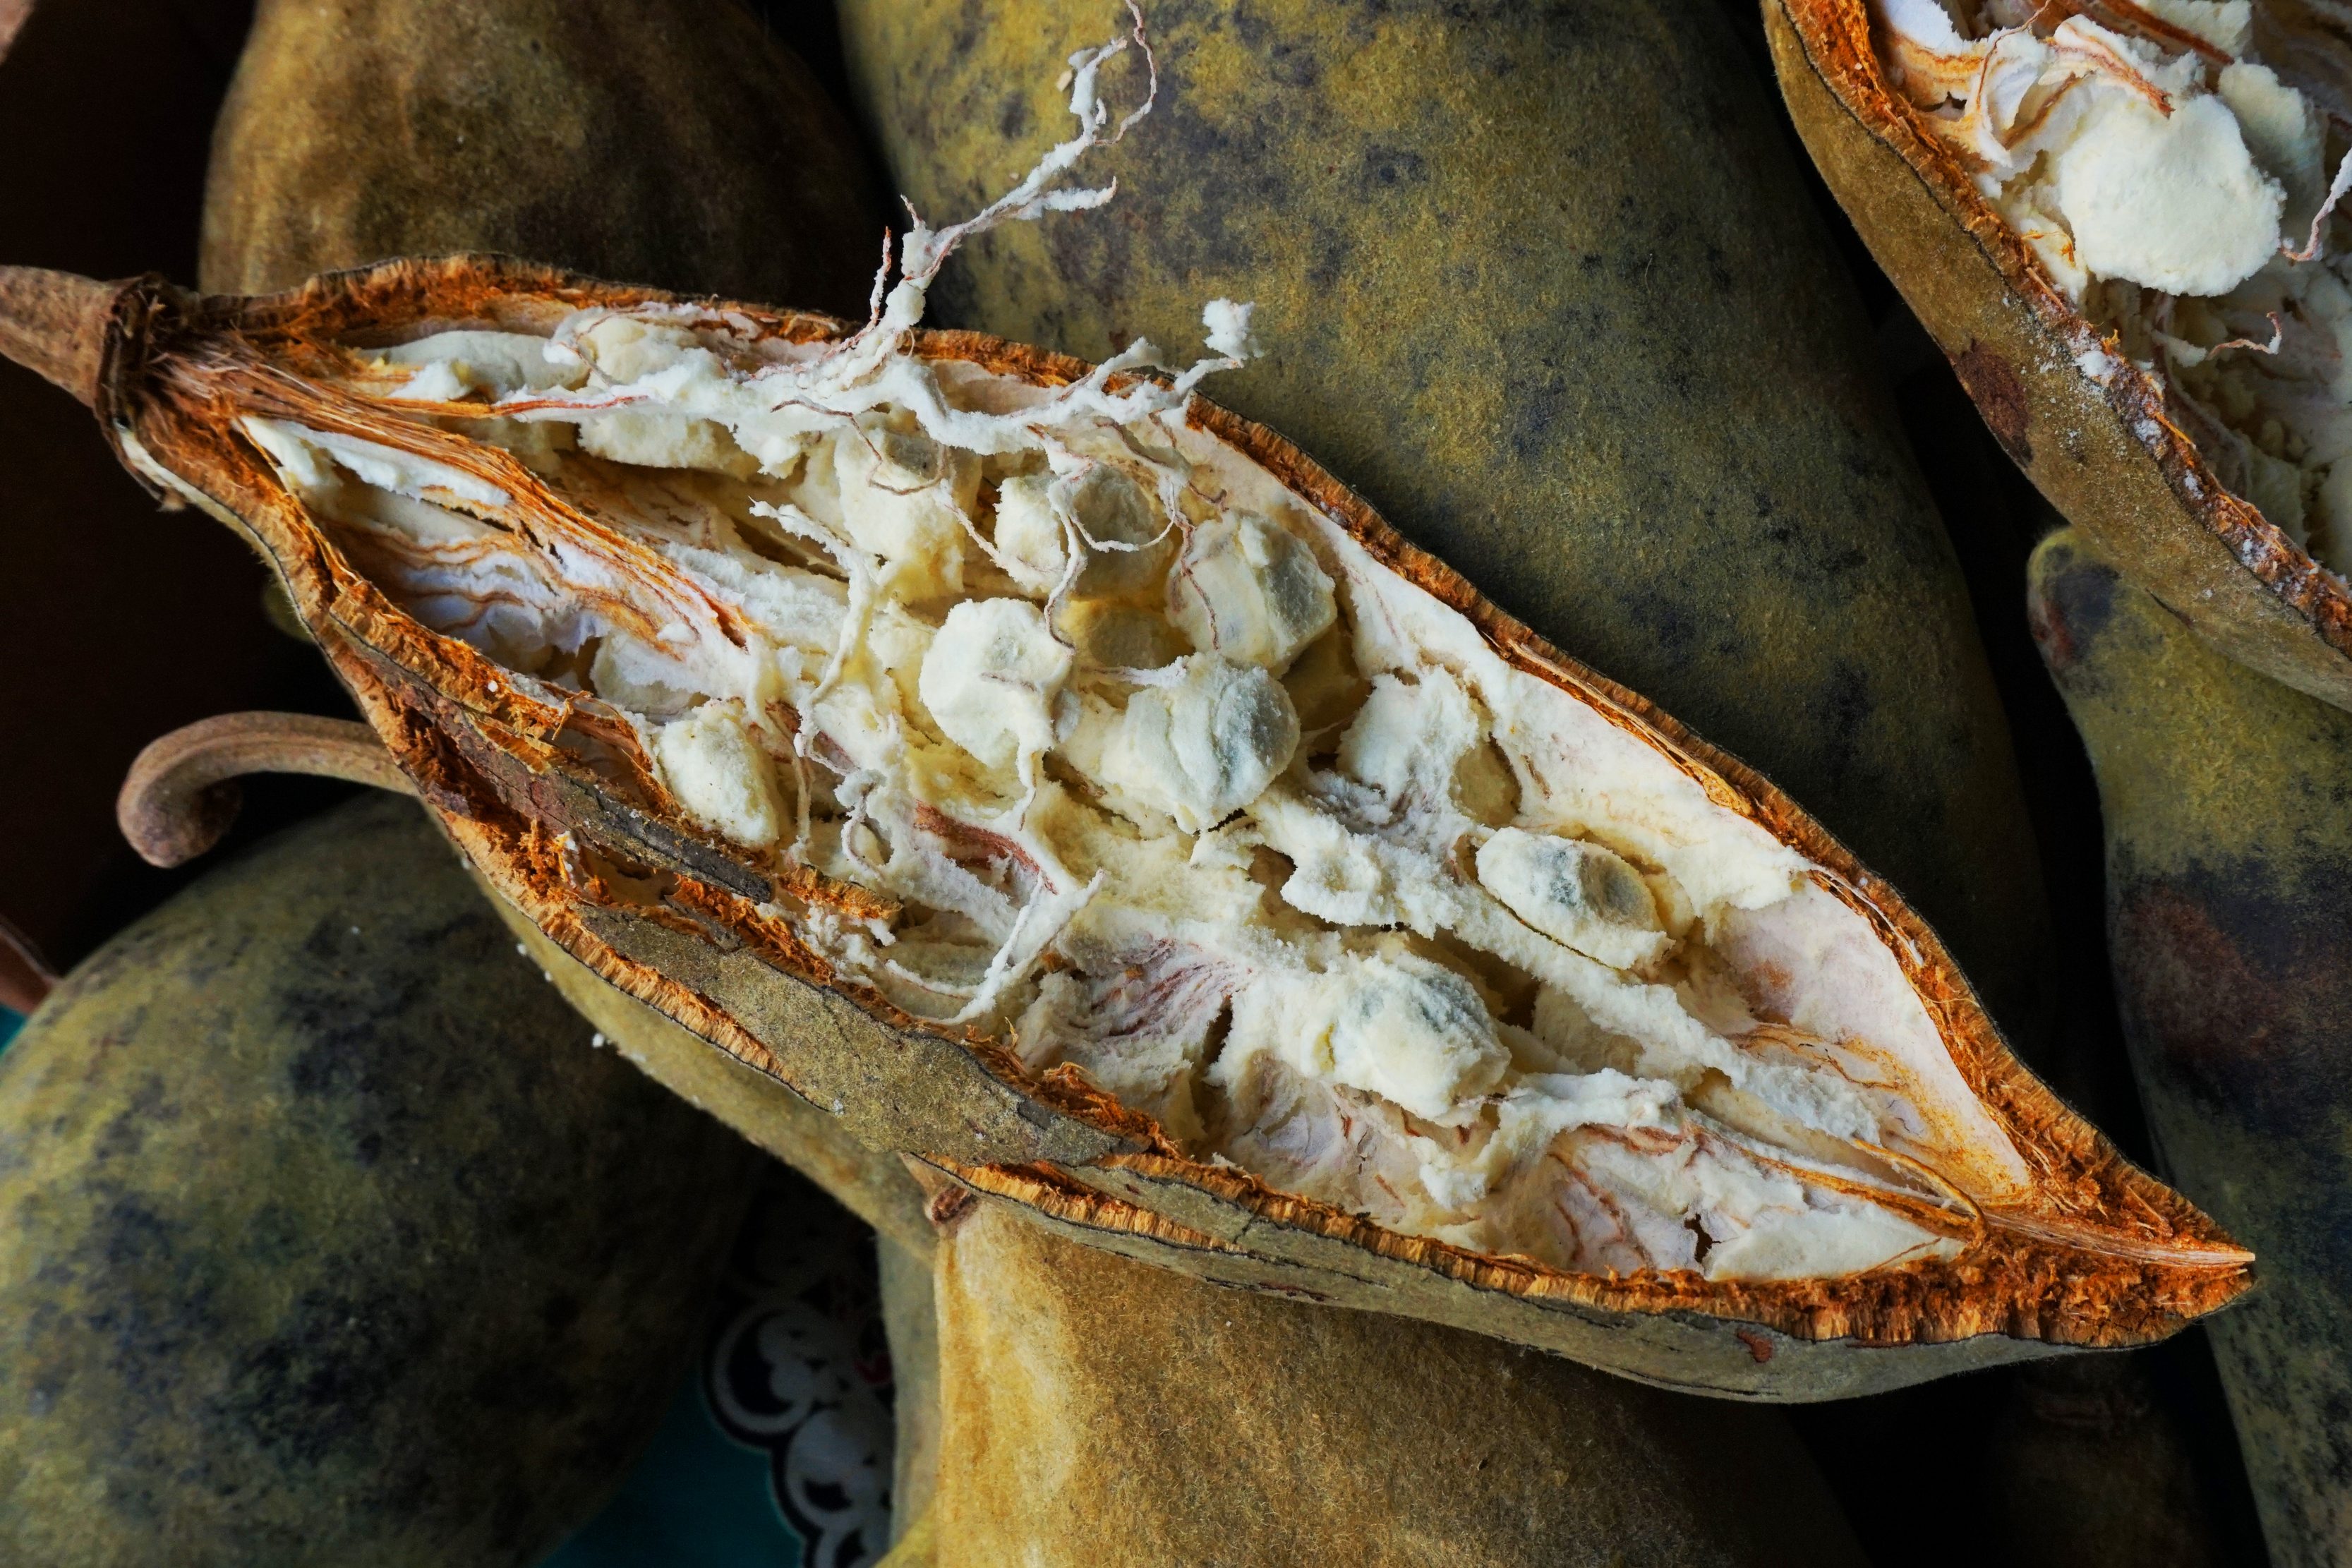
(2103, 1256)
(2105, 452)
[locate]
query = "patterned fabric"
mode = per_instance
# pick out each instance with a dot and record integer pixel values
(776, 1450)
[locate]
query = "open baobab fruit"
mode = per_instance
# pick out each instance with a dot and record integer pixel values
(1067, 783)
(2120, 224)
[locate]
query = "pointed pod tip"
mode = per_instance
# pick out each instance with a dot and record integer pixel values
(55, 323)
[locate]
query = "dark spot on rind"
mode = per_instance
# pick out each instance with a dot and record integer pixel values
(2234, 981)
(949, 1204)
(2000, 395)
(2068, 608)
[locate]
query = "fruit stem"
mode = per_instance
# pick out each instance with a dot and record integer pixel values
(55, 323)
(181, 795)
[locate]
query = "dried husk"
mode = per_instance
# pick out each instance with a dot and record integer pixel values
(2229, 861)
(872, 1184)
(2095, 1254)
(1095, 1411)
(673, 142)
(325, 1237)
(1549, 296)
(2105, 454)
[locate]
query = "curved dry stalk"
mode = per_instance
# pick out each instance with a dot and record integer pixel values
(181, 795)
(55, 323)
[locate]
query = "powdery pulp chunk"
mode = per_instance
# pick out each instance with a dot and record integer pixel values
(1251, 591)
(1120, 532)
(710, 763)
(904, 499)
(450, 365)
(2171, 202)
(1410, 738)
(990, 676)
(1580, 895)
(2282, 131)
(1204, 747)
(2226, 25)
(656, 438)
(1408, 1030)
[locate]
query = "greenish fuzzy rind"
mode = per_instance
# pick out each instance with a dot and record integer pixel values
(2227, 804)
(324, 1235)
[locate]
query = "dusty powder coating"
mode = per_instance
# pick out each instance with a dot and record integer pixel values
(2228, 860)
(1094, 1410)
(2168, 379)
(1544, 288)
(324, 1235)
(1967, 1216)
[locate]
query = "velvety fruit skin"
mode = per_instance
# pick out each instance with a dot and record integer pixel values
(1096, 1410)
(910, 1320)
(663, 141)
(1540, 282)
(325, 1239)
(2227, 800)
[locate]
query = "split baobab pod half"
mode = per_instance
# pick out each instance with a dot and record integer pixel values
(2121, 224)
(1071, 784)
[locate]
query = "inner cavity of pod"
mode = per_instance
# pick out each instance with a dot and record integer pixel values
(1141, 763)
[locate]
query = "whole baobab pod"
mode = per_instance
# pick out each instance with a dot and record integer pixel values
(1071, 784)
(323, 1234)
(2229, 861)
(658, 141)
(1093, 1410)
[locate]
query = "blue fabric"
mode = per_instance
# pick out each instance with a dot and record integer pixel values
(776, 1451)
(9, 1024)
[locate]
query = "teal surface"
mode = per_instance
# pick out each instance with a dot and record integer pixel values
(776, 1450)
(9, 1024)
(698, 1497)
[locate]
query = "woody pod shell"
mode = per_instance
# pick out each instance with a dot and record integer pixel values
(2103, 1256)
(2102, 452)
